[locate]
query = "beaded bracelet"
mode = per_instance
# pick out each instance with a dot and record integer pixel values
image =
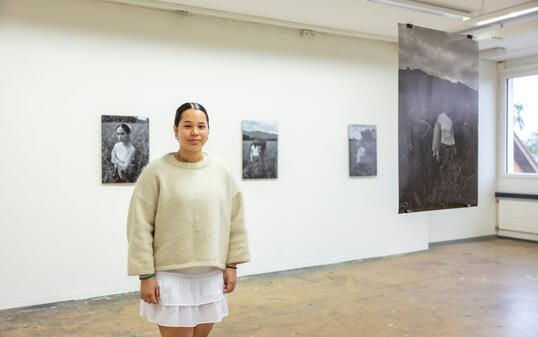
(231, 267)
(146, 277)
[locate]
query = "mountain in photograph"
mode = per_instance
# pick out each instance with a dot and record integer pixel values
(248, 135)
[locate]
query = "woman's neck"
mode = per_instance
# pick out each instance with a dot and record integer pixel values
(189, 156)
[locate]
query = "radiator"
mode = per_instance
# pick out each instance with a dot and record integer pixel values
(518, 218)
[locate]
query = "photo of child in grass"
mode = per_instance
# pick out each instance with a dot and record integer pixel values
(125, 148)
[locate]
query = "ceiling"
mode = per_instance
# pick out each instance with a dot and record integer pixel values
(519, 38)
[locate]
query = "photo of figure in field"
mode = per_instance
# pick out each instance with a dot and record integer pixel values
(260, 149)
(437, 120)
(124, 149)
(362, 150)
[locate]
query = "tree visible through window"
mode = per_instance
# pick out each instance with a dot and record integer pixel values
(522, 110)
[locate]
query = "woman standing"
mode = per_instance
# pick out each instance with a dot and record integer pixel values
(186, 233)
(444, 144)
(444, 153)
(122, 154)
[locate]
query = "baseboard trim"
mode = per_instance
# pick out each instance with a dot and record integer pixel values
(508, 234)
(57, 299)
(280, 270)
(473, 239)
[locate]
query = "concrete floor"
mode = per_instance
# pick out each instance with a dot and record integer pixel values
(485, 288)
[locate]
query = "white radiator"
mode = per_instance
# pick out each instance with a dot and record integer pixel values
(518, 218)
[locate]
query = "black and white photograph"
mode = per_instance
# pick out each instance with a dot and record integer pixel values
(362, 150)
(125, 148)
(437, 120)
(260, 149)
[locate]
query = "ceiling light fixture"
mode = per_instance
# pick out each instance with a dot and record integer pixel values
(426, 8)
(504, 14)
(507, 16)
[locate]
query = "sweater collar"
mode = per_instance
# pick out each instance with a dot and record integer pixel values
(169, 157)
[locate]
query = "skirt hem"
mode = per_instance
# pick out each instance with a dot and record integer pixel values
(184, 326)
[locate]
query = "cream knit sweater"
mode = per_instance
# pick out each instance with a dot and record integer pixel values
(185, 215)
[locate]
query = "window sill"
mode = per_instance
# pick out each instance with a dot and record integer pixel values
(520, 175)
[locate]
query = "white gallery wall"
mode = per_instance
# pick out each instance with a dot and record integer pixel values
(64, 63)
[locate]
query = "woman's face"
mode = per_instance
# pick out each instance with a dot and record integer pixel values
(121, 134)
(192, 130)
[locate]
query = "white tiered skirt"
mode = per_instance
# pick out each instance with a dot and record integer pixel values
(188, 297)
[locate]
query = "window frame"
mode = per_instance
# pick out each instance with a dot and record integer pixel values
(507, 124)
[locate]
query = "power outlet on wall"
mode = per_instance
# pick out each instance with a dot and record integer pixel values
(308, 34)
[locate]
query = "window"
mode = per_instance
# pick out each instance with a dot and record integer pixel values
(522, 125)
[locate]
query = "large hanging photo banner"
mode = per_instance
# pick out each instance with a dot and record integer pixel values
(437, 119)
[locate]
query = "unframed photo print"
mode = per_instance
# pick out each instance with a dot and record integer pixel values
(124, 149)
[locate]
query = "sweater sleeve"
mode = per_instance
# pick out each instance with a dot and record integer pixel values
(141, 224)
(238, 250)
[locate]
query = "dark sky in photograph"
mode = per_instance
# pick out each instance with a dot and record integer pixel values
(453, 57)
(264, 126)
(355, 131)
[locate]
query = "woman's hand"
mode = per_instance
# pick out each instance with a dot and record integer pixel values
(436, 155)
(230, 279)
(149, 290)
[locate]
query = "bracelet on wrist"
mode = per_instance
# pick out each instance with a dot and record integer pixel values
(227, 266)
(146, 276)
